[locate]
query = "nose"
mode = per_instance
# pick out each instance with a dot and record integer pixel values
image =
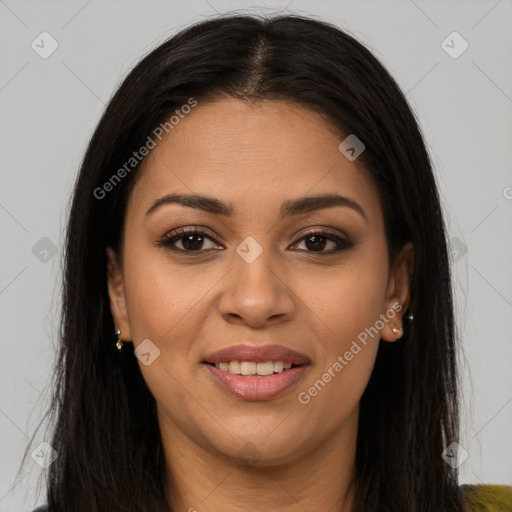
(256, 294)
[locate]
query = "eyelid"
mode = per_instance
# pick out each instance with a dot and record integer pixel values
(174, 235)
(342, 241)
(191, 229)
(207, 231)
(323, 230)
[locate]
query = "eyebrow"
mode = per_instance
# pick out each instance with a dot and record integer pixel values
(290, 207)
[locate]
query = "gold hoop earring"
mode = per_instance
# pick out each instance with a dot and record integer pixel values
(119, 343)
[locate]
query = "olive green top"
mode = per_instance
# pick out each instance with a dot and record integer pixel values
(488, 498)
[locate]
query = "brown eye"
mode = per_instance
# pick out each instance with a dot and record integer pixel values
(316, 242)
(194, 241)
(191, 241)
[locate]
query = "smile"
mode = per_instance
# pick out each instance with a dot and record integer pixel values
(251, 386)
(253, 367)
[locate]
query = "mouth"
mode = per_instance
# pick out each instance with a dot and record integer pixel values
(254, 373)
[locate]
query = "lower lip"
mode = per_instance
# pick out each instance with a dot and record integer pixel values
(255, 388)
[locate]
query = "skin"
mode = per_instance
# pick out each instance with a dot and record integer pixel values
(256, 157)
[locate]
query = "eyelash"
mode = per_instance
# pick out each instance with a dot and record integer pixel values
(168, 241)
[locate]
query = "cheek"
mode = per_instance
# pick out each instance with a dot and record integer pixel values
(349, 298)
(159, 293)
(163, 304)
(346, 308)
(168, 303)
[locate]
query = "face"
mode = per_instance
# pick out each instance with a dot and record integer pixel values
(259, 269)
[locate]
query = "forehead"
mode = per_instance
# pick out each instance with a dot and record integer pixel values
(253, 156)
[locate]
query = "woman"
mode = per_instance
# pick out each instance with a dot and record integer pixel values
(257, 220)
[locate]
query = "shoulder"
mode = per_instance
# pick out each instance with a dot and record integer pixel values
(488, 498)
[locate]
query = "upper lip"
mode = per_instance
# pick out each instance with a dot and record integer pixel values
(258, 354)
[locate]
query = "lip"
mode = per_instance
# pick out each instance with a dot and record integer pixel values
(258, 354)
(257, 387)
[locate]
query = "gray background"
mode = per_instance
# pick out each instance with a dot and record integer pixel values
(51, 106)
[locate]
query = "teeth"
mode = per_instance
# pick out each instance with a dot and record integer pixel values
(247, 368)
(233, 367)
(264, 368)
(278, 366)
(253, 368)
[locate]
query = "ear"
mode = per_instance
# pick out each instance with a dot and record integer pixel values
(399, 291)
(116, 295)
